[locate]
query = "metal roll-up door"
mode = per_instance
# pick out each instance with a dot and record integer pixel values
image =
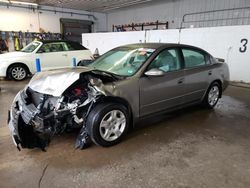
(72, 29)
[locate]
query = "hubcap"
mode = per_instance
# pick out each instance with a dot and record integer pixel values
(18, 73)
(213, 95)
(112, 125)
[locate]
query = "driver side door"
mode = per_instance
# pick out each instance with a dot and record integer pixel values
(158, 93)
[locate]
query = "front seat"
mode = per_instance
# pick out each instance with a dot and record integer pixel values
(166, 62)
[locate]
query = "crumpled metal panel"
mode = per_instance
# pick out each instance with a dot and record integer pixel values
(55, 82)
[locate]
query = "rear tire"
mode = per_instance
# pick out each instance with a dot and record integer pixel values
(17, 72)
(212, 96)
(108, 123)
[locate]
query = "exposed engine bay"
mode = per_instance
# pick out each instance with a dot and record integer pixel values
(36, 117)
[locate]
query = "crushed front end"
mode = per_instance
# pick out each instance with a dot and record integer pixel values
(35, 117)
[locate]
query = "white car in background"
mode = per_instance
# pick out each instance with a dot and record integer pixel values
(52, 55)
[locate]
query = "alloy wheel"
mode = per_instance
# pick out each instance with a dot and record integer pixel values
(213, 95)
(18, 73)
(112, 125)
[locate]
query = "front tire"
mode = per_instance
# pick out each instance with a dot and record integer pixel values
(17, 72)
(107, 124)
(212, 96)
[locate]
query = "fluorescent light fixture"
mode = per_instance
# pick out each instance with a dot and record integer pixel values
(4, 1)
(122, 5)
(23, 3)
(19, 2)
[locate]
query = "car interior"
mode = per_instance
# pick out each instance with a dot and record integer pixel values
(165, 61)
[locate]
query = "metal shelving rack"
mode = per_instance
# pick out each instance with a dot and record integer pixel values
(139, 26)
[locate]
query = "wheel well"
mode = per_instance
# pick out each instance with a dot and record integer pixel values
(120, 101)
(220, 84)
(13, 64)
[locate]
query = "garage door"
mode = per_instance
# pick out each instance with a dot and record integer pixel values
(73, 29)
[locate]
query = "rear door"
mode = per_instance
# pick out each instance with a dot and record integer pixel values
(197, 72)
(159, 93)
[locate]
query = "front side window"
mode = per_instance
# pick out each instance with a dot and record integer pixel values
(167, 61)
(124, 61)
(193, 58)
(30, 47)
(52, 47)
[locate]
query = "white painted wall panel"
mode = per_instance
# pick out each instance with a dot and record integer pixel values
(106, 41)
(163, 36)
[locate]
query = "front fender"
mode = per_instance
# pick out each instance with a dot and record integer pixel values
(3, 68)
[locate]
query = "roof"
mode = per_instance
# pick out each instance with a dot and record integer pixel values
(156, 45)
(50, 41)
(160, 45)
(144, 45)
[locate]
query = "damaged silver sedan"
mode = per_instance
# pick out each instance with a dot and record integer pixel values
(106, 98)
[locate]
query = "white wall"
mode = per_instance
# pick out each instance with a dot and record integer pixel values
(222, 42)
(19, 19)
(173, 11)
(107, 41)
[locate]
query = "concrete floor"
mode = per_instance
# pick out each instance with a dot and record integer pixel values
(189, 148)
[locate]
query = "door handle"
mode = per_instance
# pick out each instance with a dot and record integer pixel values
(209, 73)
(181, 81)
(64, 55)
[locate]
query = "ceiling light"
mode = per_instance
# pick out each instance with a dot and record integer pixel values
(19, 3)
(4, 1)
(24, 3)
(122, 5)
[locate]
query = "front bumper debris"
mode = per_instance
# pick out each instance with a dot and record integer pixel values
(19, 123)
(34, 118)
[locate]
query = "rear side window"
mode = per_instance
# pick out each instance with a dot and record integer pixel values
(193, 58)
(75, 46)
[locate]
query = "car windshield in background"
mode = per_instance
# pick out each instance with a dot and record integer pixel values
(30, 47)
(122, 61)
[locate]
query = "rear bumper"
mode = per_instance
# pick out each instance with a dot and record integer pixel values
(225, 85)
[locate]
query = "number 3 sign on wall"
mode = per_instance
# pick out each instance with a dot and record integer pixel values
(243, 48)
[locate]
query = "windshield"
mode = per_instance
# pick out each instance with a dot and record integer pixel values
(122, 61)
(30, 47)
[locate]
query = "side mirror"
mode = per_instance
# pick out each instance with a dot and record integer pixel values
(154, 72)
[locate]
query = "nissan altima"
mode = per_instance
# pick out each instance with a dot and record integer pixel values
(107, 97)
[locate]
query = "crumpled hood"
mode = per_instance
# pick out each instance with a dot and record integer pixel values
(55, 82)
